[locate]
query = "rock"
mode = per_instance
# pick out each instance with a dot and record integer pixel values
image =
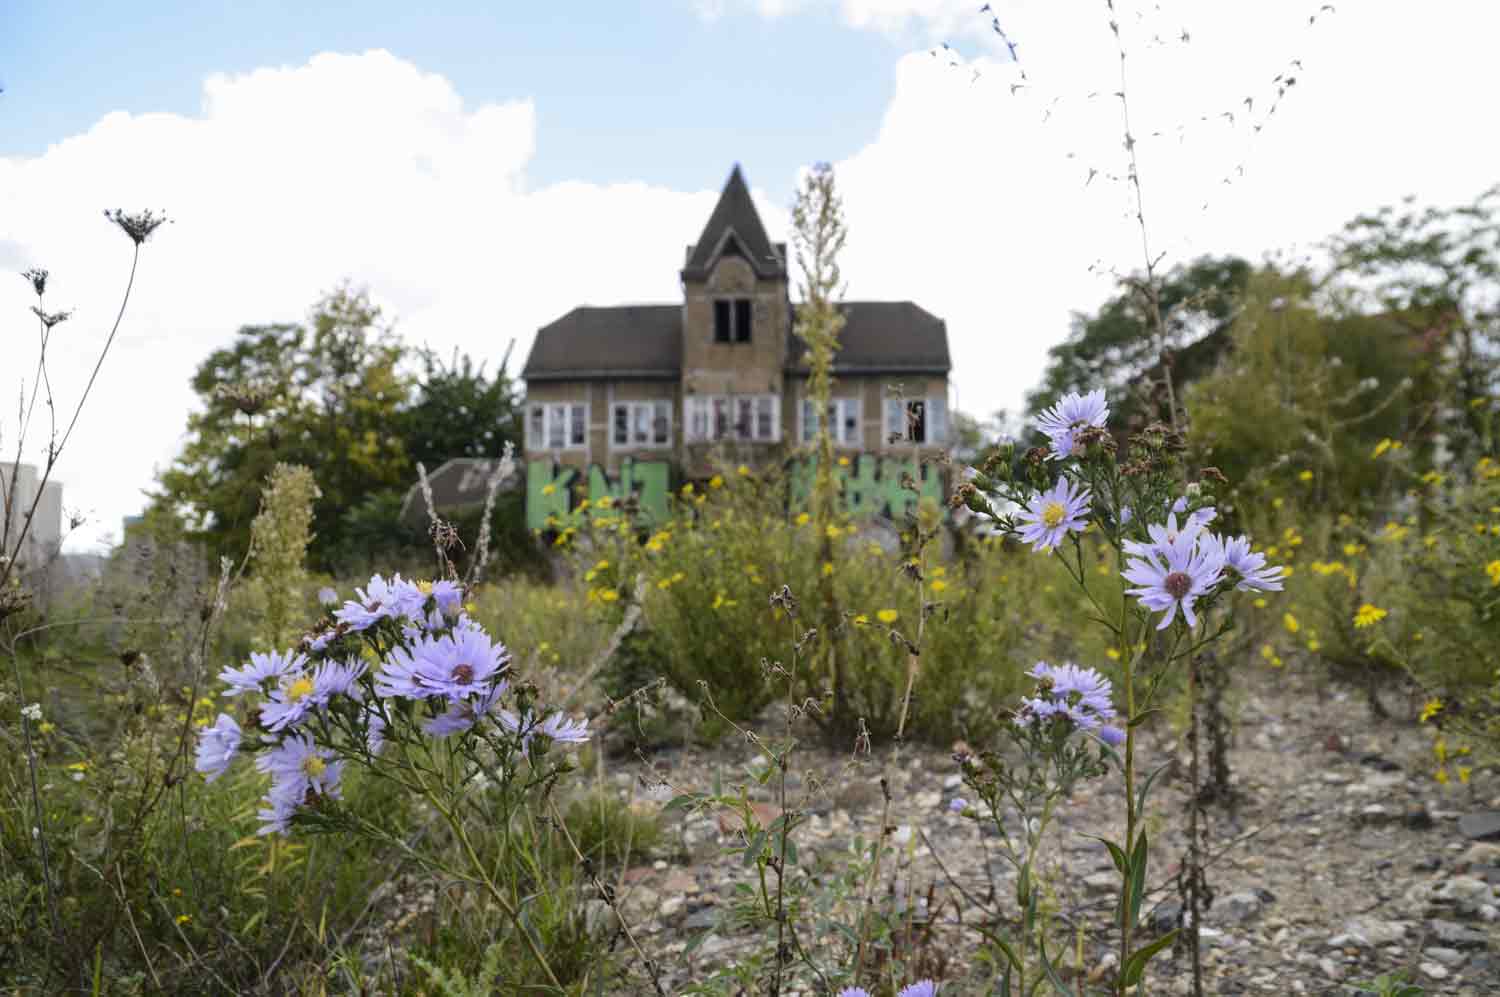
(1237, 907)
(1164, 916)
(703, 917)
(1329, 968)
(952, 782)
(1456, 936)
(1447, 957)
(1433, 971)
(1101, 882)
(1481, 853)
(1483, 826)
(679, 881)
(1367, 932)
(1379, 763)
(671, 905)
(1465, 892)
(929, 801)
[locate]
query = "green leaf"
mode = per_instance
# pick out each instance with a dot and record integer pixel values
(756, 846)
(1051, 972)
(1146, 788)
(684, 802)
(1122, 864)
(1000, 944)
(1138, 877)
(1135, 966)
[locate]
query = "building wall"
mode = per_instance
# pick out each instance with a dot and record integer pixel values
(44, 540)
(752, 368)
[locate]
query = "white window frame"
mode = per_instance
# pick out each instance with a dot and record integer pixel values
(845, 411)
(702, 423)
(935, 426)
(634, 410)
(571, 416)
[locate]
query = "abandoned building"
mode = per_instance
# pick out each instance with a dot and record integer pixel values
(674, 391)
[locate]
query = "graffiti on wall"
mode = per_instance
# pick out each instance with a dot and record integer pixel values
(870, 485)
(553, 491)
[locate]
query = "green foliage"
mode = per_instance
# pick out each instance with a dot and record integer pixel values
(335, 395)
(1119, 350)
(279, 536)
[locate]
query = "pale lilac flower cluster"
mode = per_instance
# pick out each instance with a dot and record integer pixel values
(922, 988)
(443, 668)
(1052, 515)
(1061, 423)
(1080, 696)
(1180, 565)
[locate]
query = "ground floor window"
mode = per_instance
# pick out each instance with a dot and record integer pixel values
(642, 424)
(754, 418)
(557, 426)
(916, 420)
(843, 420)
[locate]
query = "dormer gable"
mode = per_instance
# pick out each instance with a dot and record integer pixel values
(735, 229)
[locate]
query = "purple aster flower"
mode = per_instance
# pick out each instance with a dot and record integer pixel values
(328, 596)
(958, 804)
(336, 679)
(922, 988)
(1111, 735)
(379, 600)
(557, 727)
(217, 746)
(1082, 686)
(854, 992)
(1249, 565)
(289, 702)
(1171, 575)
(1052, 514)
(1061, 422)
(276, 818)
(375, 733)
(449, 596)
(462, 714)
(263, 668)
(299, 767)
(455, 665)
(1079, 695)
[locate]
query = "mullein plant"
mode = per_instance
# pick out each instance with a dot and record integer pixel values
(1180, 579)
(401, 683)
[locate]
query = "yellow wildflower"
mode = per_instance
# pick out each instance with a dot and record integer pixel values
(827, 568)
(887, 616)
(860, 619)
(803, 519)
(1276, 502)
(1368, 615)
(1113, 654)
(938, 585)
(549, 489)
(1493, 570)
(1290, 622)
(1259, 604)
(1305, 476)
(609, 595)
(1353, 550)
(1314, 645)
(1383, 446)
(184, 918)
(1441, 775)
(717, 481)
(833, 532)
(843, 462)
(743, 471)
(1430, 709)
(1463, 774)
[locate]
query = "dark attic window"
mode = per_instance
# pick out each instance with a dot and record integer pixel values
(722, 314)
(742, 320)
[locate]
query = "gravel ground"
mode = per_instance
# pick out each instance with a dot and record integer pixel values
(1343, 858)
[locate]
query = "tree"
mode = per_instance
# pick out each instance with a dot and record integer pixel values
(1118, 348)
(460, 412)
(327, 395)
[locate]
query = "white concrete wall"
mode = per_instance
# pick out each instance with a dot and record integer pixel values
(45, 536)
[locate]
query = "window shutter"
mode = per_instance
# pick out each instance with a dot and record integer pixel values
(721, 321)
(742, 316)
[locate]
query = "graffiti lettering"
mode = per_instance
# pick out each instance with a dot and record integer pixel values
(552, 492)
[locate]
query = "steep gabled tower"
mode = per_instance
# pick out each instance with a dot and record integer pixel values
(736, 311)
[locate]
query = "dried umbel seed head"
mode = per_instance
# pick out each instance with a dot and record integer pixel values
(49, 319)
(38, 278)
(1036, 456)
(139, 225)
(1213, 474)
(1090, 437)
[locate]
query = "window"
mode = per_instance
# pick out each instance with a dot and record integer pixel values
(642, 424)
(556, 426)
(843, 418)
(916, 420)
(732, 320)
(753, 418)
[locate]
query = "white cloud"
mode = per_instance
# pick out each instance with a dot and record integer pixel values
(969, 204)
(364, 167)
(289, 181)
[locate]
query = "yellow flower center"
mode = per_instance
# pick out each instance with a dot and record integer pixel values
(299, 689)
(1053, 513)
(314, 766)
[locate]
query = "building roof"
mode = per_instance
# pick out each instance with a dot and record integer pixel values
(645, 342)
(735, 226)
(629, 341)
(884, 337)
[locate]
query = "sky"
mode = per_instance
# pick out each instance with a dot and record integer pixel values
(482, 168)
